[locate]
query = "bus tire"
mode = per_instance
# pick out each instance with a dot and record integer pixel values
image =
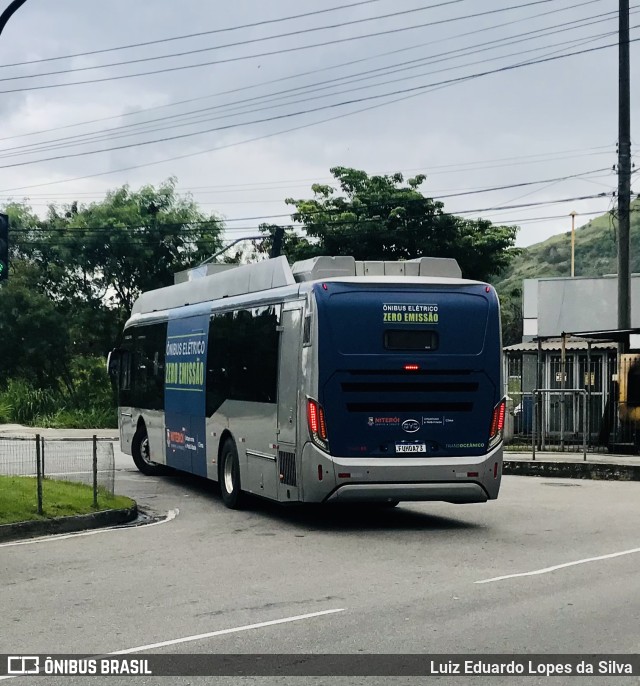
(140, 453)
(230, 476)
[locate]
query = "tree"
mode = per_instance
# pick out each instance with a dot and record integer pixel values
(105, 254)
(34, 339)
(511, 310)
(381, 218)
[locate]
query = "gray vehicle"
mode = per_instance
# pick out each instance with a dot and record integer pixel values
(330, 381)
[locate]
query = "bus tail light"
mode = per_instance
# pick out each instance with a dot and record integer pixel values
(317, 424)
(497, 423)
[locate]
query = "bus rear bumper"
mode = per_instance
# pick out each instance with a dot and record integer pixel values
(466, 479)
(446, 492)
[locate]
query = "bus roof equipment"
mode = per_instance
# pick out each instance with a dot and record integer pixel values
(276, 273)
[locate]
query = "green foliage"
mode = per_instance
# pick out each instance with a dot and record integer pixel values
(105, 254)
(88, 402)
(27, 402)
(34, 337)
(73, 280)
(511, 311)
(379, 218)
(595, 255)
(59, 499)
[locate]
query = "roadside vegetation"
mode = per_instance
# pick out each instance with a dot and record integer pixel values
(60, 499)
(73, 278)
(75, 274)
(595, 255)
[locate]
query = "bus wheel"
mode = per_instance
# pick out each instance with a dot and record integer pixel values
(141, 453)
(230, 476)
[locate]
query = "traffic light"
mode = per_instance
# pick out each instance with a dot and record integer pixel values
(4, 247)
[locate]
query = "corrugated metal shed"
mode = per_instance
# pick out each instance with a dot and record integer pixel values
(555, 344)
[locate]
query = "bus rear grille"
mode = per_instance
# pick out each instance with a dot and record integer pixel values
(409, 387)
(409, 407)
(287, 467)
(406, 372)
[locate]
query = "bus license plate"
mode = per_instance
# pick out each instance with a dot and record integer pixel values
(411, 447)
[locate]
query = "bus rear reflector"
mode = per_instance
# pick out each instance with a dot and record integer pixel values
(497, 423)
(317, 424)
(320, 472)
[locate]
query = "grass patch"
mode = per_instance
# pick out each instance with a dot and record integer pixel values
(19, 499)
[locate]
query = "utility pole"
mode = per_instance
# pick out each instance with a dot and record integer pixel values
(573, 243)
(624, 173)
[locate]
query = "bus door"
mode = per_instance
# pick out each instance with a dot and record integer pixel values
(288, 388)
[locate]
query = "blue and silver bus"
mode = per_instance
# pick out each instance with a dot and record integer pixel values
(334, 380)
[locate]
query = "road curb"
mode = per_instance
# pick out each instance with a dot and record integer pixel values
(572, 470)
(66, 525)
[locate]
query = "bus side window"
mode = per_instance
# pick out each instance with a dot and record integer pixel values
(124, 380)
(242, 359)
(125, 371)
(306, 331)
(144, 373)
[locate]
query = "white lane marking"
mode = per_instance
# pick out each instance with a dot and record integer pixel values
(172, 514)
(222, 632)
(210, 634)
(546, 570)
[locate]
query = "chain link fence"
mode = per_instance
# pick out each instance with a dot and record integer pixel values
(90, 462)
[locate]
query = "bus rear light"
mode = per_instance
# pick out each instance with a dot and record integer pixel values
(472, 474)
(312, 416)
(411, 367)
(317, 424)
(497, 423)
(322, 428)
(344, 475)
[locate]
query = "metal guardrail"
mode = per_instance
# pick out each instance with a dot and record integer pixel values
(534, 425)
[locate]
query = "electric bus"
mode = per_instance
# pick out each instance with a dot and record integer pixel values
(334, 381)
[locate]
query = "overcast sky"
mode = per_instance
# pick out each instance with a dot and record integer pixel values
(536, 123)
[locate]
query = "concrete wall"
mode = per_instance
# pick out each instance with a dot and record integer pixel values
(579, 304)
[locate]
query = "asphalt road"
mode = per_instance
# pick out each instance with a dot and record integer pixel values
(405, 580)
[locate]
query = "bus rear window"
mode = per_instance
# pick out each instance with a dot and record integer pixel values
(411, 340)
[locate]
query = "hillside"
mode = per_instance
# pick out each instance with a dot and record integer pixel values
(595, 253)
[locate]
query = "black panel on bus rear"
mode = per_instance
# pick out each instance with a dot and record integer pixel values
(438, 400)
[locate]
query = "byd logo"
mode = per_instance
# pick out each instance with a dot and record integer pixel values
(410, 425)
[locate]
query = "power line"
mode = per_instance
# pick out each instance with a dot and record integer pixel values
(314, 110)
(153, 226)
(263, 22)
(303, 183)
(307, 73)
(108, 134)
(264, 54)
(253, 139)
(248, 41)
